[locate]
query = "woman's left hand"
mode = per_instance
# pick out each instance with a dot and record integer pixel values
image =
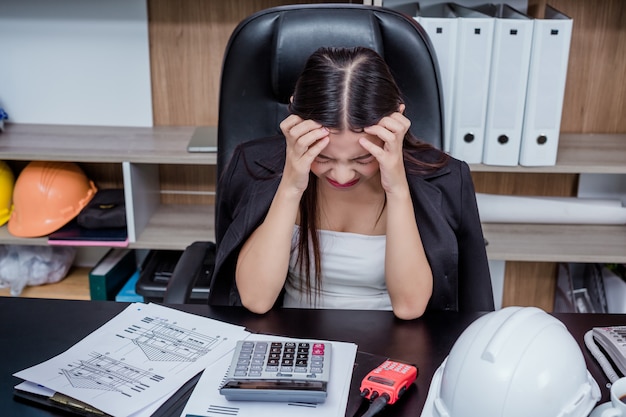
(391, 131)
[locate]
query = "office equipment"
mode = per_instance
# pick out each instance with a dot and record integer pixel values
(391, 379)
(611, 339)
(206, 401)
(440, 23)
(471, 83)
(510, 58)
(162, 268)
(108, 276)
(546, 87)
(279, 371)
(128, 292)
(73, 234)
(204, 139)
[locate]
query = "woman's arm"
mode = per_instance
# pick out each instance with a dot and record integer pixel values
(263, 261)
(407, 271)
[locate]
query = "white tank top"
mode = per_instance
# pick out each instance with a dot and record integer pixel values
(353, 273)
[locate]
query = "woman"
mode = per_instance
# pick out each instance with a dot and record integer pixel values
(354, 211)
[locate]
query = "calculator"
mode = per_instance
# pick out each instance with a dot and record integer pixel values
(290, 370)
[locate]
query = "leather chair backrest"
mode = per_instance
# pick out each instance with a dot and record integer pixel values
(267, 51)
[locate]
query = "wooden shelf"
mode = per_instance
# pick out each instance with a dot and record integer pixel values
(171, 227)
(556, 243)
(75, 286)
(8, 239)
(150, 145)
(176, 226)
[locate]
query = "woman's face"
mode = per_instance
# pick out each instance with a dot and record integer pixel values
(344, 164)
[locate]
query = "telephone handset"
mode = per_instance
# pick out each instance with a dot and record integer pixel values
(613, 340)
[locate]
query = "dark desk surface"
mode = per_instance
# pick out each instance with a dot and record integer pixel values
(34, 330)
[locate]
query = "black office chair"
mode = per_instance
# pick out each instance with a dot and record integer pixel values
(263, 59)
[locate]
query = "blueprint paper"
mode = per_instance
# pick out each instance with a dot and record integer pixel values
(138, 358)
(206, 401)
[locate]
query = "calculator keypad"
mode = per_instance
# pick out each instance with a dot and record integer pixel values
(283, 359)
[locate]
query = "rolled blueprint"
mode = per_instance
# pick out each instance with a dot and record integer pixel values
(495, 208)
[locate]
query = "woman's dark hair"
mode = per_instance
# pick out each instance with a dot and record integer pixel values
(345, 89)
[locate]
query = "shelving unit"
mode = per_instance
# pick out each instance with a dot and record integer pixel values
(136, 154)
(578, 153)
(155, 225)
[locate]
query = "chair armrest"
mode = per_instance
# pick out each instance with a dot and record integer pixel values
(197, 259)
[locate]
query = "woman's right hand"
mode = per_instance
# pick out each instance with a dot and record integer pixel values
(305, 140)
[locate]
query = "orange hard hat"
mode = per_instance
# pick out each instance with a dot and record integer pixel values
(47, 195)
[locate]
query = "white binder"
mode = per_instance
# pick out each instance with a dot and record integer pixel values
(546, 87)
(441, 25)
(512, 40)
(471, 83)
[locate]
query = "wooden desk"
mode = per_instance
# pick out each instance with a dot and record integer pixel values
(33, 330)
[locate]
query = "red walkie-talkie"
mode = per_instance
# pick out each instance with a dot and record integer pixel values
(388, 382)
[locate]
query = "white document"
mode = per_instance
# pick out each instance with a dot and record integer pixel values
(206, 401)
(471, 83)
(137, 360)
(441, 25)
(549, 210)
(546, 88)
(512, 40)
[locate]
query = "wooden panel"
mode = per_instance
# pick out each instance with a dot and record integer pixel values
(595, 94)
(187, 43)
(189, 184)
(526, 183)
(104, 175)
(75, 286)
(530, 284)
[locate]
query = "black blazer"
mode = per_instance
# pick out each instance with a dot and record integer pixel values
(445, 209)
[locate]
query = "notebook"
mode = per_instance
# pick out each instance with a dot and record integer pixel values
(204, 139)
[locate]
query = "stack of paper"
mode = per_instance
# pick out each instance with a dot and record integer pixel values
(136, 361)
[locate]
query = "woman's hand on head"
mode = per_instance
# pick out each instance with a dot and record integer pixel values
(391, 130)
(305, 140)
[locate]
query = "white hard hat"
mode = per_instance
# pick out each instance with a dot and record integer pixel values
(513, 362)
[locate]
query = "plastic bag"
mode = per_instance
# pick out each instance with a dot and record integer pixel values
(22, 265)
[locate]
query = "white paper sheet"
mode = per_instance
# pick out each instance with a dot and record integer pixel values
(549, 210)
(206, 401)
(137, 360)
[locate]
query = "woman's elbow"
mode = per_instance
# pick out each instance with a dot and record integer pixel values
(409, 312)
(255, 304)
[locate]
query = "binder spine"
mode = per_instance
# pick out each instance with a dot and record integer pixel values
(473, 63)
(545, 92)
(507, 91)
